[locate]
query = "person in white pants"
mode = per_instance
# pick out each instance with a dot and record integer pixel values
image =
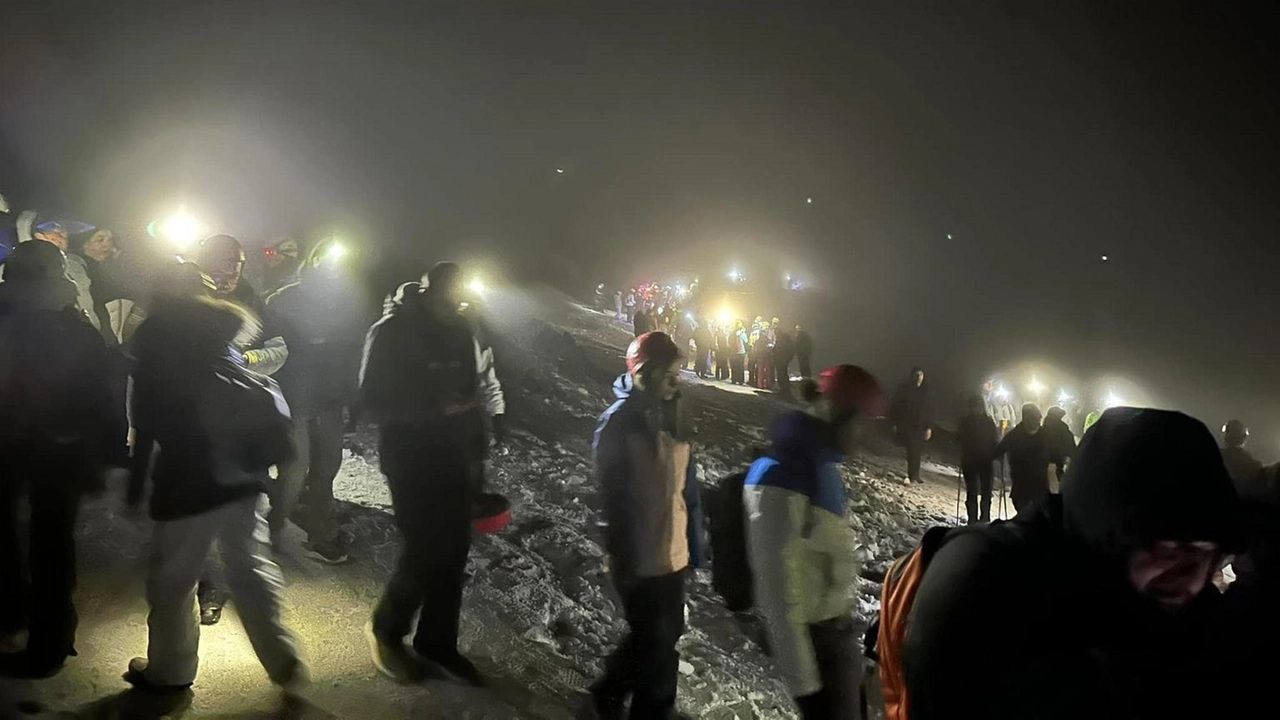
(179, 549)
(219, 427)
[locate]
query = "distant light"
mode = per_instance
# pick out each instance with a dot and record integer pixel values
(1105, 258)
(726, 316)
(689, 315)
(1002, 392)
(560, 171)
(808, 201)
(476, 286)
(1112, 400)
(948, 236)
(1064, 396)
(1035, 386)
(336, 251)
(180, 228)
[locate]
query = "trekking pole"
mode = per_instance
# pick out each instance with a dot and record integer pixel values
(959, 489)
(1004, 508)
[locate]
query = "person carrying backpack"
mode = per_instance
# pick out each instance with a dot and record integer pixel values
(1108, 610)
(219, 427)
(652, 529)
(799, 545)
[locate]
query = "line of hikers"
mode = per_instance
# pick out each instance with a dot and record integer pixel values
(1104, 592)
(1105, 588)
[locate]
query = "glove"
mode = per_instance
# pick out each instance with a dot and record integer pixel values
(252, 357)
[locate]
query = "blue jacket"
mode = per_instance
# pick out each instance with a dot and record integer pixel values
(799, 543)
(649, 487)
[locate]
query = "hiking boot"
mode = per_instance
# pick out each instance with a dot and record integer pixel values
(457, 668)
(136, 676)
(329, 553)
(393, 659)
(295, 680)
(211, 603)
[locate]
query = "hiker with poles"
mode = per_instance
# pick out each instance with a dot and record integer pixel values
(978, 440)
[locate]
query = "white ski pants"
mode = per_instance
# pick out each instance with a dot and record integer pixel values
(178, 553)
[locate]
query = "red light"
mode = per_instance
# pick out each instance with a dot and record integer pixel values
(269, 252)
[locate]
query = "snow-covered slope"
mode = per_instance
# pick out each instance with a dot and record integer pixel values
(539, 614)
(539, 602)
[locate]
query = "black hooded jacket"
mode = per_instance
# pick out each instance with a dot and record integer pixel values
(1076, 640)
(1028, 461)
(54, 396)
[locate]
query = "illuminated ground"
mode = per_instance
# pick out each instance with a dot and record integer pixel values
(539, 613)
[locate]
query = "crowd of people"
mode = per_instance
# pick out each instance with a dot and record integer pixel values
(760, 355)
(228, 406)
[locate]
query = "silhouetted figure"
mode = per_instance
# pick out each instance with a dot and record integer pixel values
(912, 416)
(979, 438)
(55, 411)
(804, 352)
(427, 385)
(1028, 459)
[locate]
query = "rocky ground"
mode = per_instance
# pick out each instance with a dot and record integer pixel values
(539, 612)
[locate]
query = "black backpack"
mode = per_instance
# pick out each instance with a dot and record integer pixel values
(730, 566)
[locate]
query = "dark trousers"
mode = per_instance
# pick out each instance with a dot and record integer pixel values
(37, 594)
(806, 370)
(431, 498)
(700, 361)
(646, 664)
(722, 366)
(318, 441)
(738, 364)
(1026, 491)
(840, 666)
(978, 478)
(914, 444)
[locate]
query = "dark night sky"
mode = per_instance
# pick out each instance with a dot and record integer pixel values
(691, 134)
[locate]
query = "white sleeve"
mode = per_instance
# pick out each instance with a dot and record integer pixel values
(775, 546)
(270, 357)
(495, 402)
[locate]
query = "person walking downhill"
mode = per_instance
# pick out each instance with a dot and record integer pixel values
(323, 319)
(912, 416)
(798, 540)
(55, 422)
(652, 530)
(979, 437)
(428, 386)
(219, 427)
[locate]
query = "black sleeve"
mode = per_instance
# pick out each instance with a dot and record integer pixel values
(950, 647)
(613, 477)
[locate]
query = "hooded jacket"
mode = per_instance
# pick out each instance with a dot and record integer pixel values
(648, 484)
(1076, 639)
(189, 387)
(323, 322)
(978, 439)
(54, 392)
(423, 373)
(1028, 461)
(799, 543)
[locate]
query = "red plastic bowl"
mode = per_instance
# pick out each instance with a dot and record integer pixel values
(491, 513)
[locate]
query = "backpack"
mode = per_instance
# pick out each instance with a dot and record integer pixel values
(883, 641)
(248, 423)
(730, 566)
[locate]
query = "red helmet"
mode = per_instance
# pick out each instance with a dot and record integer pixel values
(852, 390)
(651, 347)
